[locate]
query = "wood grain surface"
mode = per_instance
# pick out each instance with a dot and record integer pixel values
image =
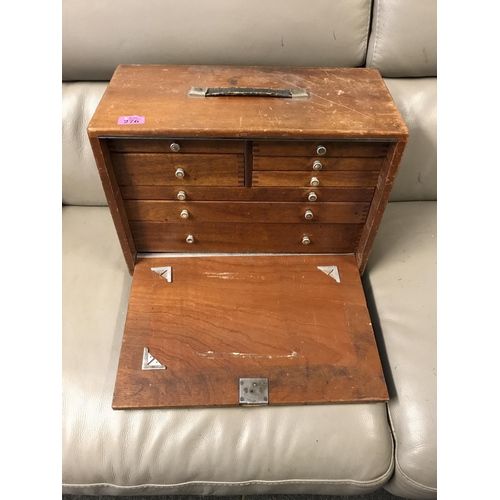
(253, 212)
(342, 103)
(306, 163)
(341, 178)
(233, 237)
(159, 169)
(309, 148)
(214, 193)
(223, 318)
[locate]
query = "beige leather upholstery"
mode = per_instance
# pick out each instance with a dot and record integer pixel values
(81, 184)
(97, 39)
(330, 449)
(416, 98)
(403, 40)
(400, 282)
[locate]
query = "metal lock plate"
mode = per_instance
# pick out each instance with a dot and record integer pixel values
(253, 391)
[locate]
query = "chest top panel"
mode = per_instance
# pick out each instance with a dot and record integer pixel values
(341, 103)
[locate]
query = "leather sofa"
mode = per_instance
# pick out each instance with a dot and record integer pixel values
(331, 449)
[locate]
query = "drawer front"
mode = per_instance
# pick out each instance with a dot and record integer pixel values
(314, 164)
(195, 193)
(319, 149)
(170, 170)
(220, 237)
(315, 179)
(195, 212)
(175, 146)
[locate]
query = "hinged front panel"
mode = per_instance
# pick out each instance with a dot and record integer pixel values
(296, 325)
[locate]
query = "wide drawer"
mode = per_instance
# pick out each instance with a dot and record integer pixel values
(315, 179)
(315, 164)
(177, 146)
(200, 211)
(195, 193)
(221, 237)
(169, 170)
(320, 149)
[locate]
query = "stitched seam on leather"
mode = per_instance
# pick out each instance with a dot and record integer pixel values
(375, 34)
(236, 483)
(398, 466)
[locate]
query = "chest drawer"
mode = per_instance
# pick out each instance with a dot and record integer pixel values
(320, 149)
(281, 212)
(181, 170)
(315, 164)
(349, 178)
(175, 146)
(214, 193)
(221, 237)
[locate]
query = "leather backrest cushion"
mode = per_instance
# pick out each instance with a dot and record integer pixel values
(403, 39)
(99, 35)
(81, 184)
(416, 99)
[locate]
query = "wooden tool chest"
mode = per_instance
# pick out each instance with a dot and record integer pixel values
(246, 201)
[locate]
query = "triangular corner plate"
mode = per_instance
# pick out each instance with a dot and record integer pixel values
(149, 362)
(332, 271)
(164, 272)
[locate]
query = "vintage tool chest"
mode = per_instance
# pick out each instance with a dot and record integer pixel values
(246, 201)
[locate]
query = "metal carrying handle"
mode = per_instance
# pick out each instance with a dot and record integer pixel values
(247, 92)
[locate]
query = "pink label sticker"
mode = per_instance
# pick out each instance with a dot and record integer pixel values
(128, 120)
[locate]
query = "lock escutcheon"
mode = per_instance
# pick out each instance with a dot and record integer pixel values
(174, 147)
(308, 215)
(180, 173)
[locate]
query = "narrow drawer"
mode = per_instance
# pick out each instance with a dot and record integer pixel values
(199, 211)
(175, 146)
(170, 170)
(195, 193)
(314, 164)
(319, 149)
(346, 178)
(220, 237)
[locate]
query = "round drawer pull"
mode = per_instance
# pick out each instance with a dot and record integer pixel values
(314, 181)
(190, 239)
(306, 240)
(180, 173)
(312, 196)
(184, 214)
(174, 147)
(321, 150)
(308, 215)
(181, 195)
(317, 165)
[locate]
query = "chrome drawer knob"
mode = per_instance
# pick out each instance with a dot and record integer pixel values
(184, 214)
(306, 240)
(179, 173)
(317, 165)
(312, 196)
(174, 147)
(321, 150)
(181, 195)
(314, 181)
(190, 239)
(308, 215)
